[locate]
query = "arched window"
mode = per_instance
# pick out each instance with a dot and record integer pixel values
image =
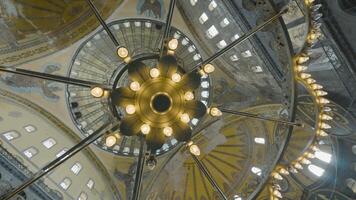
(90, 184)
(30, 152)
(83, 196)
(256, 171)
(76, 168)
(66, 182)
(49, 143)
(326, 157)
(30, 128)
(11, 135)
(318, 171)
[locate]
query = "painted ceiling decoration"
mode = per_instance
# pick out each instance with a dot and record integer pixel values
(182, 100)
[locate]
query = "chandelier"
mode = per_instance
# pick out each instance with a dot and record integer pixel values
(160, 102)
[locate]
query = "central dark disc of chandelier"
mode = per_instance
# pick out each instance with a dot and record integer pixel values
(159, 102)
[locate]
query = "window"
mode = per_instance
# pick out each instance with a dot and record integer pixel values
(235, 37)
(196, 57)
(237, 197)
(318, 171)
(30, 128)
(246, 54)
(205, 84)
(203, 18)
(195, 121)
(191, 48)
(49, 143)
(193, 2)
(326, 157)
(260, 140)
(234, 58)
(11, 135)
(76, 168)
(148, 24)
(30, 152)
(83, 196)
(66, 182)
(212, 32)
(224, 22)
(221, 44)
(185, 41)
(212, 5)
(61, 152)
(257, 69)
(256, 171)
(137, 24)
(90, 184)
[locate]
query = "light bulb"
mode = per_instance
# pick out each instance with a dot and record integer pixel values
(135, 86)
(298, 166)
(154, 72)
(110, 141)
(176, 77)
(189, 96)
(130, 109)
(326, 117)
(305, 161)
(122, 52)
(321, 100)
(168, 131)
(145, 129)
(277, 176)
(316, 86)
(185, 118)
(305, 75)
(277, 194)
(302, 59)
(314, 148)
(283, 171)
(320, 93)
(208, 68)
(324, 125)
(97, 92)
(194, 149)
(173, 44)
(215, 112)
(300, 68)
(310, 81)
(309, 155)
(322, 133)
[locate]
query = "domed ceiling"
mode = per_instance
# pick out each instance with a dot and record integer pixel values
(180, 99)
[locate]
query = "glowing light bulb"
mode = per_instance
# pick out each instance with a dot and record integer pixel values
(110, 141)
(316, 86)
(194, 149)
(309, 155)
(314, 148)
(302, 59)
(277, 176)
(176, 77)
(305, 75)
(283, 171)
(320, 93)
(189, 96)
(322, 133)
(215, 112)
(298, 166)
(154, 72)
(208, 68)
(135, 86)
(300, 68)
(97, 92)
(145, 129)
(305, 161)
(310, 81)
(130, 109)
(321, 100)
(122, 52)
(326, 117)
(168, 131)
(185, 118)
(173, 44)
(277, 193)
(324, 125)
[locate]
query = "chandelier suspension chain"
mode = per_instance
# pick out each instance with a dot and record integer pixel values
(167, 28)
(60, 160)
(102, 22)
(56, 78)
(139, 170)
(255, 116)
(207, 174)
(241, 39)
